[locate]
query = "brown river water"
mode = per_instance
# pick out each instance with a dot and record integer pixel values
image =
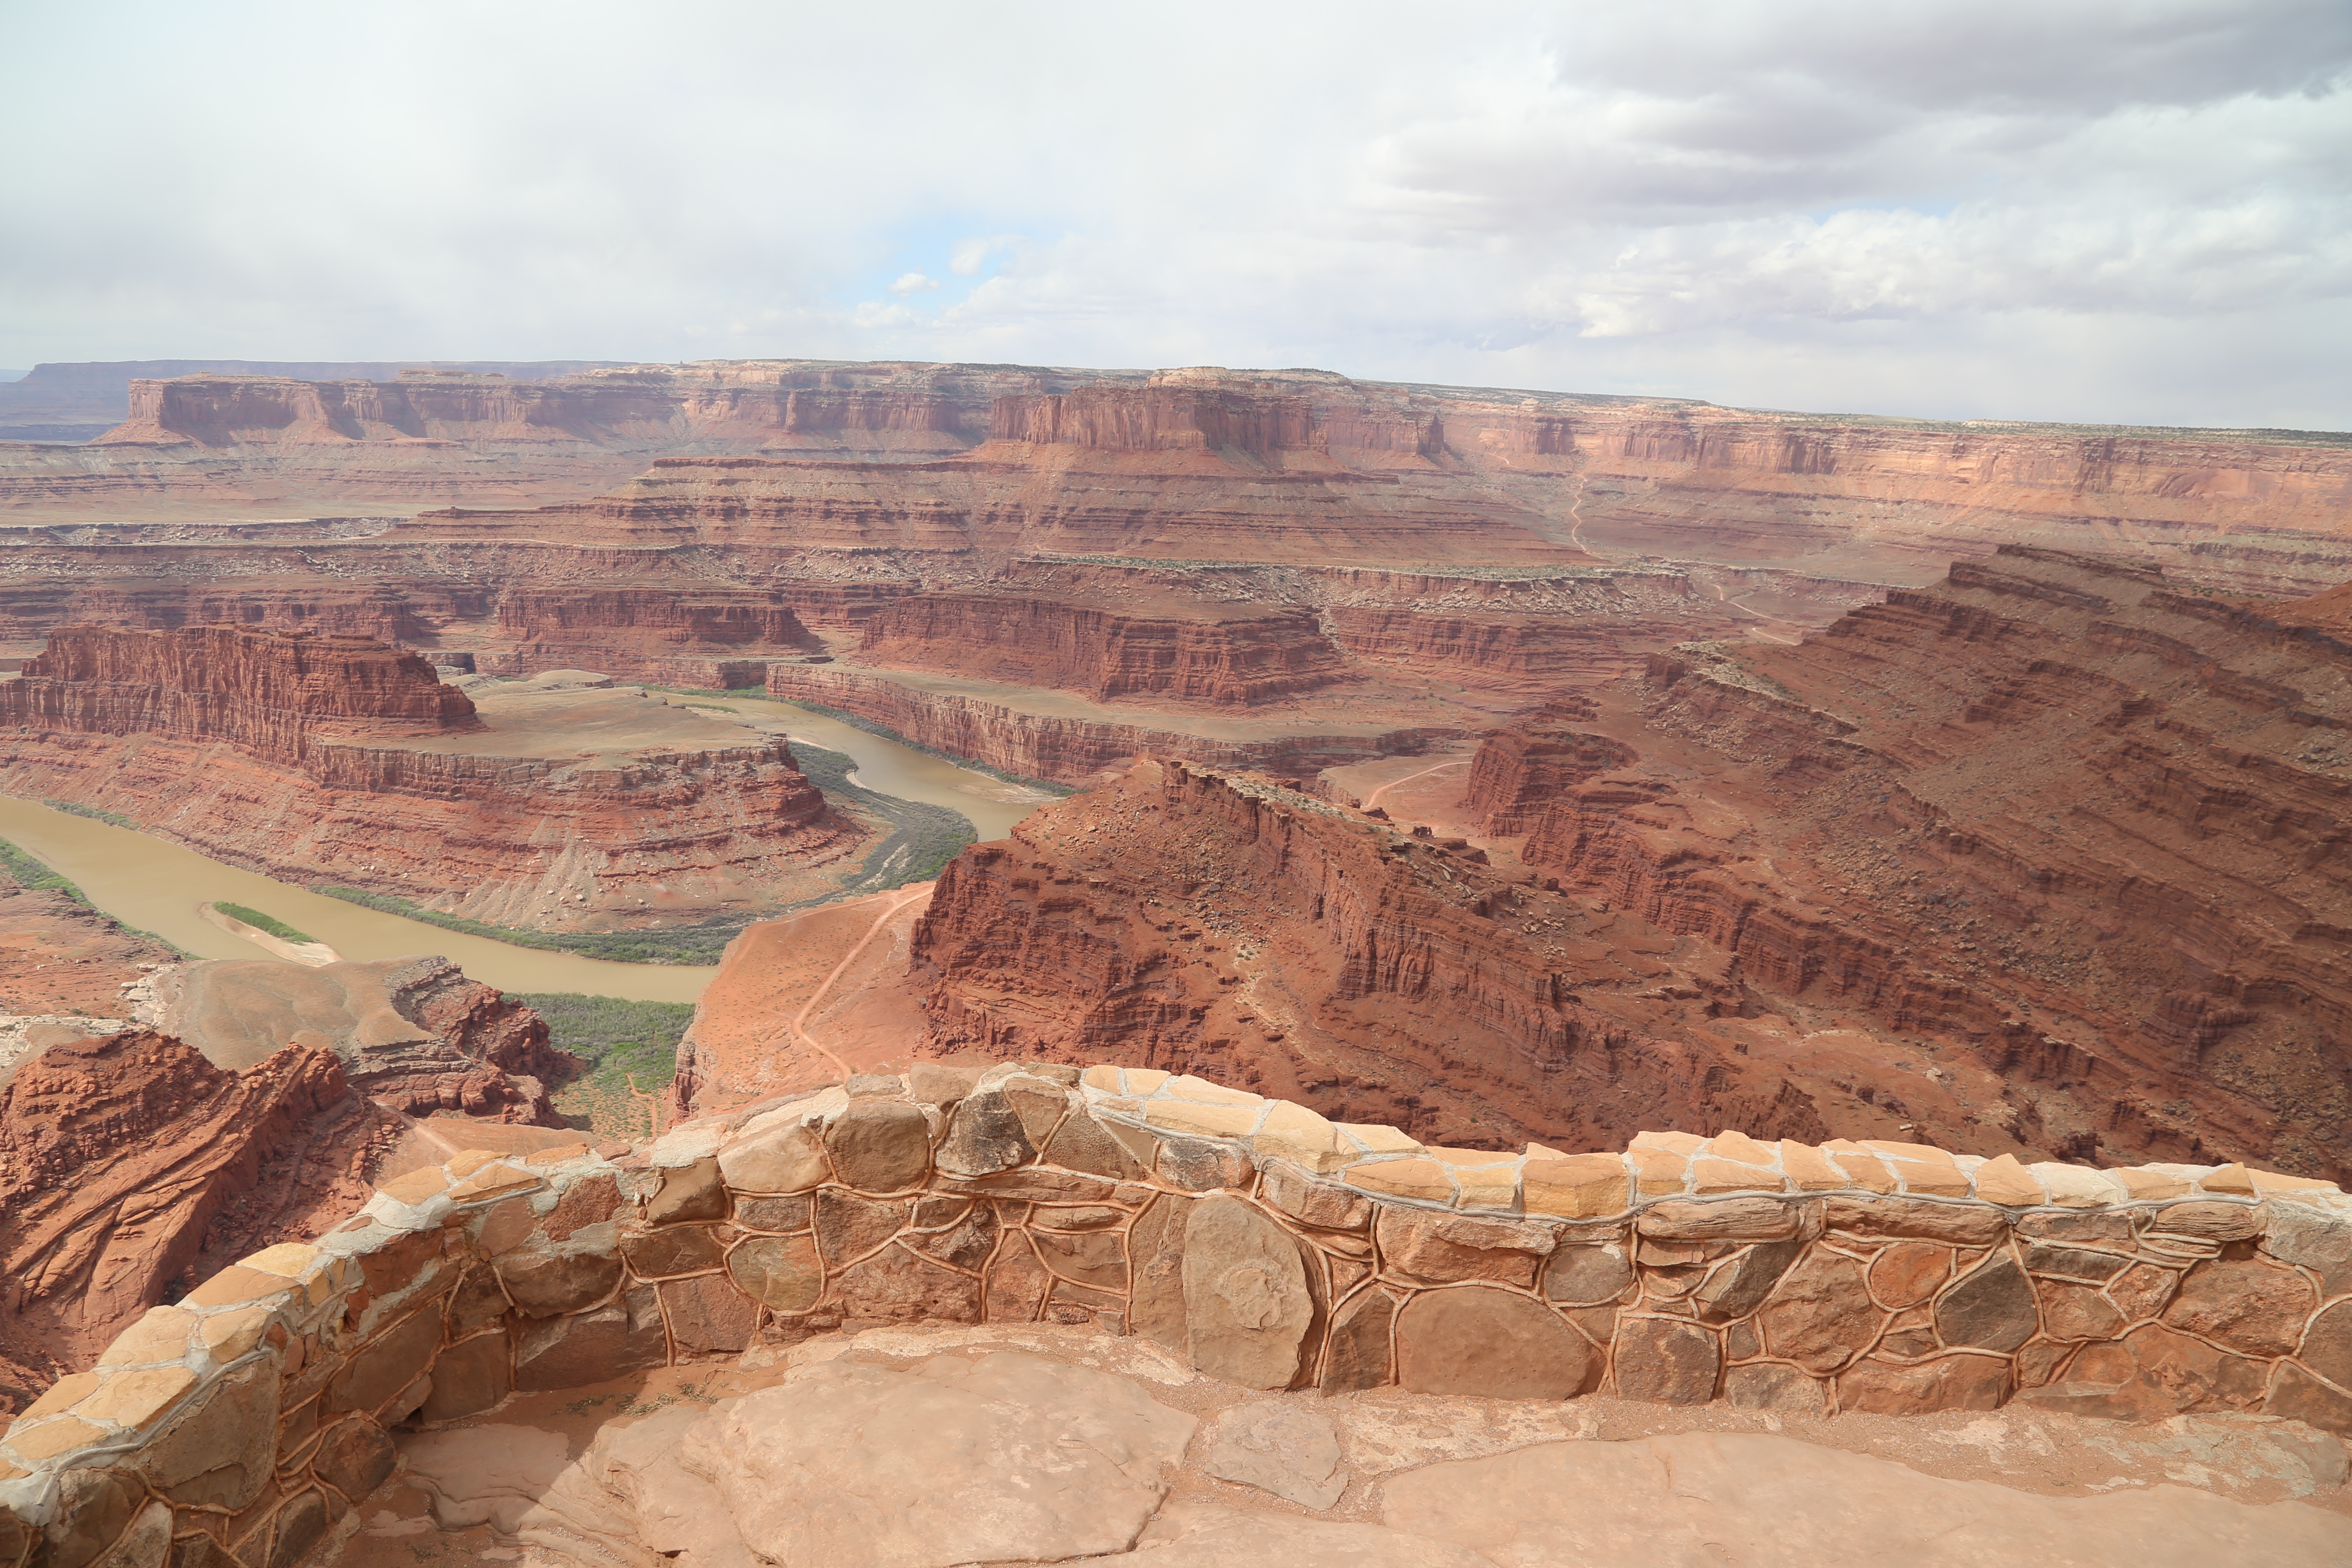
(158, 887)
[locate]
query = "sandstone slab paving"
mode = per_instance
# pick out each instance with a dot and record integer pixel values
(1708, 1499)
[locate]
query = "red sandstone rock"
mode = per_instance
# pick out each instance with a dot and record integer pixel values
(129, 1164)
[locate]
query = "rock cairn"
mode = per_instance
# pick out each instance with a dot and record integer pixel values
(1271, 1247)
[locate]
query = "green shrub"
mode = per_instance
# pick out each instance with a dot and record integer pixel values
(631, 1049)
(272, 924)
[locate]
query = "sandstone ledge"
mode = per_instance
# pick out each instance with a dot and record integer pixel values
(1265, 1245)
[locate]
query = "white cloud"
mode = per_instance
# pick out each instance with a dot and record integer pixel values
(2131, 210)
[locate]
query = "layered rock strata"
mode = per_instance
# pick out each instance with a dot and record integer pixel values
(644, 633)
(1164, 648)
(1263, 1245)
(343, 761)
(1222, 924)
(1061, 748)
(2057, 811)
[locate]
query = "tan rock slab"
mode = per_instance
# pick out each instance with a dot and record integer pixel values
(1295, 1133)
(137, 1399)
(1496, 1343)
(1581, 1187)
(161, 1334)
(1727, 1219)
(1659, 1172)
(2002, 1180)
(491, 1181)
(1809, 1169)
(1215, 1120)
(1707, 1498)
(1277, 1447)
(62, 1396)
(38, 1441)
(1192, 1535)
(1426, 1179)
(1247, 1303)
(236, 1285)
(1725, 1176)
(1009, 1458)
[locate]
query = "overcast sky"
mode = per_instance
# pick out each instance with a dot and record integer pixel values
(2138, 210)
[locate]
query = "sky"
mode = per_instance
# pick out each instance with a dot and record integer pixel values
(2134, 211)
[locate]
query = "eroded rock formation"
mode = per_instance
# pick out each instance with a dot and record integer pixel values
(2055, 811)
(342, 760)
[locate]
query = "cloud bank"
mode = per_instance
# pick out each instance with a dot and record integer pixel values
(2106, 210)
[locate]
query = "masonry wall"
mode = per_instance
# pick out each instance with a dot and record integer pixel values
(1266, 1243)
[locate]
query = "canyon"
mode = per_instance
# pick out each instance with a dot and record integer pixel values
(1918, 819)
(335, 759)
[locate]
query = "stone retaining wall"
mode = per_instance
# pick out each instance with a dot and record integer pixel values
(1271, 1247)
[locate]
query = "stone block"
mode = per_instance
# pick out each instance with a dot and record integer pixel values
(1769, 1385)
(94, 1506)
(236, 1285)
(2074, 1311)
(468, 1379)
(1583, 1186)
(2074, 1262)
(2002, 1180)
(1081, 1145)
(880, 1145)
(396, 1357)
(2071, 1186)
(1728, 1219)
(965, 1244)
(546, 1285)
(62, 1396)
(1666, 1360)
(1200, 1165)
(1356, 1355)
(162, 1336)
(1248, 1302)
(301, 1523)
(147, 1544)
(203, 1551)
(849, 1226)
(2327, 1347)
(355, 1457)
(593, 1347)
(2296, 1395)
(1017, 1284)
(1089, 1258)
(2208, 1220)
(1424, 1181)
(505, 1226)
(1443, 1249)
(2317, 1238)
(1295, 1133)
(774, 1214)
(1962, 1225)
(136, 1399)
(36, 1441)
(1324, 1205)
(707, 1313)
(1588, 1275)
(1481, 1340)
(1821, 1315)
(672, 1250)
(222, 1451)
(479, 1302)
(2142, 1290)
(1282, 1448)
(1909, 1272)
(900, 1286)
(1734, 1288)
(2251, 1305)
(942, 1084)
(1991, 1308)
(2151, 1373)
(1155, 1247)
(694, 1192)
(986, 1135)
(1948, 1383)
(783, 1273)
(582, 1205)
(1031, 1184)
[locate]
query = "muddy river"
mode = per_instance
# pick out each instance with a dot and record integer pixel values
(158, 887)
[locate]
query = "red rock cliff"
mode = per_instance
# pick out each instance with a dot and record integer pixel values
(1162, 647)
(269, 692)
